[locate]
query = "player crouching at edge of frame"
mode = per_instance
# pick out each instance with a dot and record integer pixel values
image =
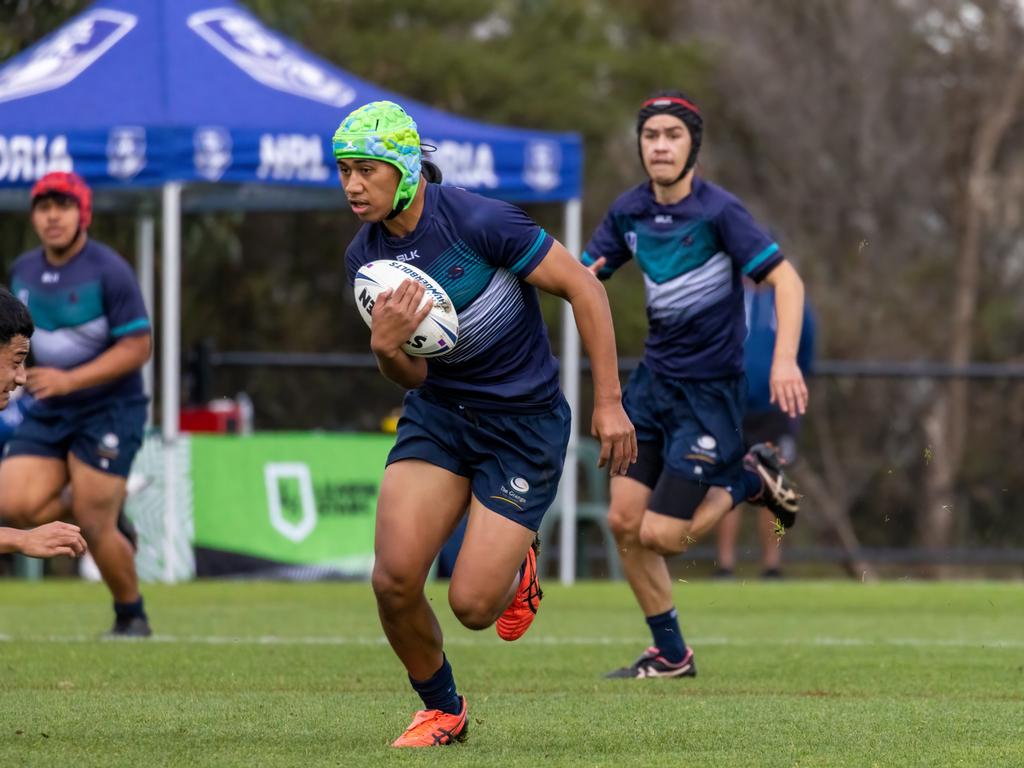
(483, 428)
(694, 243)
(16, 329)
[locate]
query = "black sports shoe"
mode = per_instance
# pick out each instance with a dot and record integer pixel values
(778, 494)
(127, 529)
(652, 664)
(137, 626)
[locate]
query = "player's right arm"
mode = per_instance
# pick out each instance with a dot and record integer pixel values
(560, 274)
(395, 317)
(787, 383)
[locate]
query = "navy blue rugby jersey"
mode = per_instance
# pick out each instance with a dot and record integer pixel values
(693, 255)
(479, 250)
(81, 309)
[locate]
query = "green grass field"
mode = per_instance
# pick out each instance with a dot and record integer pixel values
(254, 674)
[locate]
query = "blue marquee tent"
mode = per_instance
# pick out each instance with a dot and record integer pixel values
(140, 92)
(198, 95)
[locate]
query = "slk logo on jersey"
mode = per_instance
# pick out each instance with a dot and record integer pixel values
(267, 58)
(67, 54)
(663, 218)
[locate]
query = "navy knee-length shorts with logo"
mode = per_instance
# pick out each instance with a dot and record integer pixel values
(513, 460)
(104, 435)
(695, 425)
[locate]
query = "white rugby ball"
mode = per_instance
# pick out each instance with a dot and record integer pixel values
(439, 331)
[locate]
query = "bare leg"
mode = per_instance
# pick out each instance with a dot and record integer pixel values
(671, 535)
(58, 508)
(486, 573)
(418, 508)
(29, 484)
(715, 506)
(96, 500)
(645, 569)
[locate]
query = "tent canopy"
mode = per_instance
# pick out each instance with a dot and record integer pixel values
(135, 93)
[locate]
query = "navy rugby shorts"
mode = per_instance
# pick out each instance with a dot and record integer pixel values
(513, 460)
(105, 435)
(697, 425)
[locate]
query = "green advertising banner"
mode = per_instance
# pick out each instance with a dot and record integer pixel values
(286, 499)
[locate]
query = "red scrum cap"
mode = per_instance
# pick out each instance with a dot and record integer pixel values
(70, 184)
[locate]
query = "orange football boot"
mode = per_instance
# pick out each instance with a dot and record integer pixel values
(517, 618)
(434, 728)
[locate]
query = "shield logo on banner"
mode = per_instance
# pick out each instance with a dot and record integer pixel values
(543, 165)
(265, 57)
(212, 152)
(66, 55)
(126, 151)
(290, 499)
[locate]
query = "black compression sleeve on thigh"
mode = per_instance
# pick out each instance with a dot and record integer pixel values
(677, 496)
(648, 465)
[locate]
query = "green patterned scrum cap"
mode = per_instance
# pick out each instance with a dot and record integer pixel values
(382, 130)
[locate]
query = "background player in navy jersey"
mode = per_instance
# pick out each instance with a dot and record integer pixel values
(16, 328)
(483, 428)
(694, 243)
(92, 338)
(764, 422)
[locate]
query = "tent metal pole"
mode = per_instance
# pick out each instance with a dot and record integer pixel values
(170, 363)
(571, 388)
(171, 311)
(145, 266)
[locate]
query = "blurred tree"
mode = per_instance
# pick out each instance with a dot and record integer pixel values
(23, 22)
(877, 137)
(989, 42)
